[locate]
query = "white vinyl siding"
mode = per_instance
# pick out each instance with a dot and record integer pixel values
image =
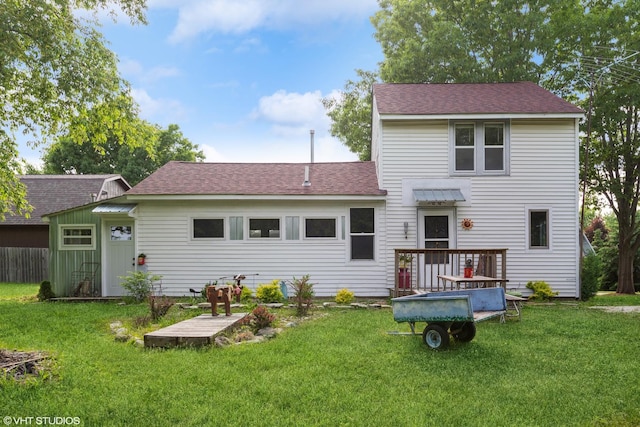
(163, 234)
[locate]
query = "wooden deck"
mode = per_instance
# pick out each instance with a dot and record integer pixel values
(196, 332)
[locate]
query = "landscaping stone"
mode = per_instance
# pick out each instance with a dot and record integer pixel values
(358, 305)
(267, 332)
(222, 341)
(329, 304)
(122, 337)
(274, 305)
(115, 325)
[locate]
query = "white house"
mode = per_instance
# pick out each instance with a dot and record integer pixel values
(504, 156)
(507, 153)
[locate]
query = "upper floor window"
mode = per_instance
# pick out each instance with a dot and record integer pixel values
(479, 148)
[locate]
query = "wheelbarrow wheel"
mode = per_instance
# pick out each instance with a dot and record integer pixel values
(436, 337)
(464, 331)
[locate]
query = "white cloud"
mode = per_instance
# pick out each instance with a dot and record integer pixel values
(162, 111)
(234, 17)
(134, 69)
(292, 108)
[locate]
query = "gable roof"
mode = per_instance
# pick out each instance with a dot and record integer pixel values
(53, 193)
(468, 98)
(261, 179)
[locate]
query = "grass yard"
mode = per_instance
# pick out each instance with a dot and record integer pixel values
(562, 365)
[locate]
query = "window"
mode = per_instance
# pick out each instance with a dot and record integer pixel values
(235, 228)
(320, 227)
(479, 148)
(362, 233)
(538, 229)
(465, 147)
(208, 228)
(264, 228)
(77, 237)
(292, 227)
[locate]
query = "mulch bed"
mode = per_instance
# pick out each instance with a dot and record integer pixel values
(18, 365)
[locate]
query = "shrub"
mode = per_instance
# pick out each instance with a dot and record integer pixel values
(541, 290)
(246, 294)
(159, 306)
(45, 293)
(302, 294)
(259, 318)
(139, 284)
(344, 296)
(590, 277)
(270, 292)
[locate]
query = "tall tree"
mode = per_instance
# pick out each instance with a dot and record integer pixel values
(53, 67)
(350, 114)
(132, 161)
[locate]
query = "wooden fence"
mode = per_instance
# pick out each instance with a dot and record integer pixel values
(24, 265)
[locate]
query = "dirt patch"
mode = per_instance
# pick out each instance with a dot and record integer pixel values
(19, 365)
(618, 308)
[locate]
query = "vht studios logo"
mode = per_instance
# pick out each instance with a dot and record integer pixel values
(41, 421)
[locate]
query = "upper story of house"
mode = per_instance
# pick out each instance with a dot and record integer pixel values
(504, 133)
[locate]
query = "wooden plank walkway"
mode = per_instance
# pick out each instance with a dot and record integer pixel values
(196, 332)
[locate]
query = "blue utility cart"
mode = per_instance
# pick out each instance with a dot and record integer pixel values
(450, 312)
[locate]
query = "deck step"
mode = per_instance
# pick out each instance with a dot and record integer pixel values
(197, 332)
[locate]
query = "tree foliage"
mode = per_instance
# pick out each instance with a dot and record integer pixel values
(133, 160)
(350, 114)
(54, 67)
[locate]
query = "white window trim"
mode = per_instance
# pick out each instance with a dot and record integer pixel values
(256, 239)
(479, 148)
(201, 239)
(335, 229)
(527, 215)
(63, 247)
(375, 234)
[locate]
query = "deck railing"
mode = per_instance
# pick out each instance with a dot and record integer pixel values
(417, 270)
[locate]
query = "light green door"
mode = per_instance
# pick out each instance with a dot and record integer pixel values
(120, 255)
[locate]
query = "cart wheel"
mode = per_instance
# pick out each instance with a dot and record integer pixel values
(466, 331)
(436, 337)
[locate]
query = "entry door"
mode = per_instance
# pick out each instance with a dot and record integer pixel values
(436, 230)
(120, 255)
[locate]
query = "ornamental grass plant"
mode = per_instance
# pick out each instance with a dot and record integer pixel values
(562, 364)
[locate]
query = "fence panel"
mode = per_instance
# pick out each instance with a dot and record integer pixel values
(24, 265)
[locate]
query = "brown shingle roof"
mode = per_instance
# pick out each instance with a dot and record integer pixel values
(53, 193)
(283, 179)
(469, 98)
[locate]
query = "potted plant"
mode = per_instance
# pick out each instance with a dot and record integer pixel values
(141, 258)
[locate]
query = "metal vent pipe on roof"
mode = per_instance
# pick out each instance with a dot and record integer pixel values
(306, 182)
(312, 132)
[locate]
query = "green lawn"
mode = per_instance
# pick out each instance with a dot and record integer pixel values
(562, 365)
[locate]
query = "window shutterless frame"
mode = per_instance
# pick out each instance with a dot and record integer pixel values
(77, 237)
(479, 147)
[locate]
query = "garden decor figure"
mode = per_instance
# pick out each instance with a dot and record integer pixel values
(215, 295)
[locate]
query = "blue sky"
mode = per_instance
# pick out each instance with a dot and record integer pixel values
(244, 79)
